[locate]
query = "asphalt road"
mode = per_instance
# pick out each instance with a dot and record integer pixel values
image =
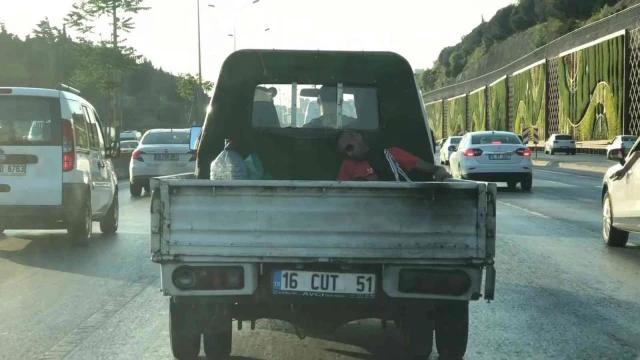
(561, 294)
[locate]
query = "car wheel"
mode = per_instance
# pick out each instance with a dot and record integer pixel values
(452, 329)
(80, 230)
(551, 152)
(574, 152)
(527, 184)
(217, 344)
(611, 235)
(512, 185)
(109, 225)
(185, 342)
(135, 190)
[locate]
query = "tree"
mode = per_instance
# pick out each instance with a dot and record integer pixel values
(188, 86)
(85, 13)
(44, 30)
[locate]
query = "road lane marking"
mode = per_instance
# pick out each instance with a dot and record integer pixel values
(566, 173)
(525, 210)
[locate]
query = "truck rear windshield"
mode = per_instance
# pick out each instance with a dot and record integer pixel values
(315, 106)
(29, 120)
(481, 139)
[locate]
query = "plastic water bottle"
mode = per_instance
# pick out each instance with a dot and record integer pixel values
(229, 165)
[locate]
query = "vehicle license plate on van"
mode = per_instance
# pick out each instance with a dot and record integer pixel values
(323, 284)
(13, 170)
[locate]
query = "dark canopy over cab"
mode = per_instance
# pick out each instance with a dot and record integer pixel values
(255, 124)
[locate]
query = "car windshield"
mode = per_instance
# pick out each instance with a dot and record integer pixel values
(564, 137)
(495, 138)
(166, 137)
(28, 120)
(128, 144)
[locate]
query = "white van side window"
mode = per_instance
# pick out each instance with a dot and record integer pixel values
(79, 125)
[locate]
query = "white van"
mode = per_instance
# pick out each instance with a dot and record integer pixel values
(55, 167)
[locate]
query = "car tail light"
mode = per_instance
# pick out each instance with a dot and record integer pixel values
(496, 142)
(524, 152)
(136, 155)
(194, 155)
(472, 152)
(208, 277)
(430, 281)
(68, 146)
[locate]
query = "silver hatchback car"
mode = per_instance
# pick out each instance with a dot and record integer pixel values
(161, 152)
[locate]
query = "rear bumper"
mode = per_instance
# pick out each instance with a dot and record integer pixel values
(140, 173)
(46, 217)
(564, 149)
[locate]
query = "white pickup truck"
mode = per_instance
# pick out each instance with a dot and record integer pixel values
(319, 253)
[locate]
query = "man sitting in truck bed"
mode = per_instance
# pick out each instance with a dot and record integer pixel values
(377, 164)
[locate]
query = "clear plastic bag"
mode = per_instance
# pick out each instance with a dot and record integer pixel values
(229, 165)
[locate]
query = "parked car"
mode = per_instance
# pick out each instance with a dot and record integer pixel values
(55, 163)
(160, 152)
(621, 200)
(621, 142)
(560, 143)
(130, 135)
(497, 156)
(448, 147)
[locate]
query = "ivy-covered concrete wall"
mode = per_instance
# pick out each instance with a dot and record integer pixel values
(528, 99)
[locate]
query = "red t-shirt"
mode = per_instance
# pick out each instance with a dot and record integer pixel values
(353, 169)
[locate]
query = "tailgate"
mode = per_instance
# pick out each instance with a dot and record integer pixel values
(326, 221)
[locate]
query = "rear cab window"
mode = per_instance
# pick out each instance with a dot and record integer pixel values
(481, 139)
(29, 120)
(335, 106)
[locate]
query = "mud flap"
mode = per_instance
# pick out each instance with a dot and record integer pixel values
(490, 283)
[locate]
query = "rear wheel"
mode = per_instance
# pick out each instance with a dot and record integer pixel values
(552, 152)
(611, 235)
(217, 342)
(573, 152)
(452, 329)
(109, 225)
(80, 229)
(135, 190)
(526, 184)
(185, 341)
(512, 184)
(418, 337)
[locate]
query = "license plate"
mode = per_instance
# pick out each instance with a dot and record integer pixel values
(13, 170)
(500, 157)
(166, 157)
(322, 284)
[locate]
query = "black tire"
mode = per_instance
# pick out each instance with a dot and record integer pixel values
(109, 225)
(573, 152)
(185, 341)
(135, 190)
(527, 184)
(80, 229)
(452, 329)
(418, 337)
(217, 344)
(552, 152)
(512, 185)
(611, 235)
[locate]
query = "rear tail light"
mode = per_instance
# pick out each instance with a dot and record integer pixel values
(429, 281)
(472, 152)
(524, 152)
(194, 155)
(208, 277)
(136, 155)
(68, 146)
(496, 142)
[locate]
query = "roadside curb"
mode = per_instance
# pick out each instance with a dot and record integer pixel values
(572, 166)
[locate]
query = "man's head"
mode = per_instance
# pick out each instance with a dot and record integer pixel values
(352, 145)
(328, 99)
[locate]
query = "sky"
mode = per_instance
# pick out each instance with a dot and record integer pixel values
(168, 33)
